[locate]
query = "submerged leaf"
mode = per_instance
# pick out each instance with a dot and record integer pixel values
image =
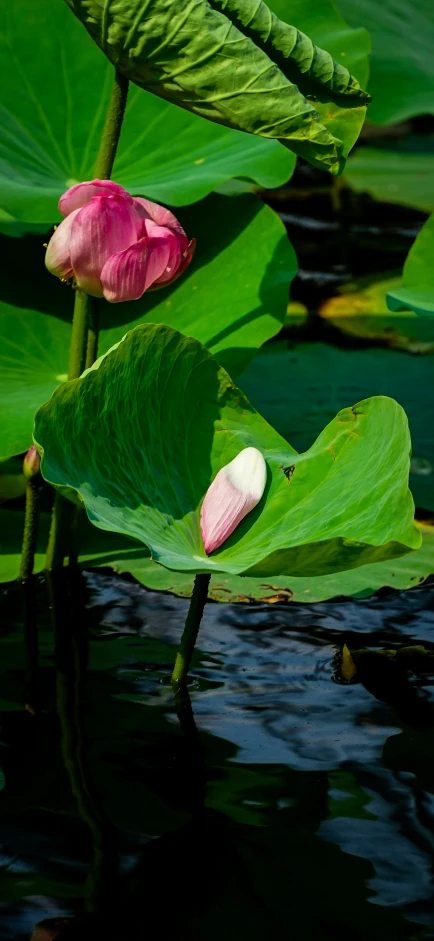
(231, 61)
(142, 434)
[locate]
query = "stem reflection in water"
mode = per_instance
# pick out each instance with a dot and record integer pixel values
(71, 647)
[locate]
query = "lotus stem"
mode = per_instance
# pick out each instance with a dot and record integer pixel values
(112, 128)
(103, 171)
(85, 324)
(191, 630)
(30, 531)
(92, 334)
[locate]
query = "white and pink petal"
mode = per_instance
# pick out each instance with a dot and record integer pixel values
(58, 254)
(235, 491)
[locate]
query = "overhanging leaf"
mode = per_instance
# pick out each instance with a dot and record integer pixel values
(52, 114)
(233, 299)
(322, 21)
(231, 61)
(402, 65)
(143, 470)
(417, 290)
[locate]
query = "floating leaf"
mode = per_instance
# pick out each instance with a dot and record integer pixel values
(393, 176)
(402, 65)
(141, 435)
(417, 290)
(233, 299)
(232, 62)
(364, 313)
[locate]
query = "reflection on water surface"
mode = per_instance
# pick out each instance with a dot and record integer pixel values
(293, 804)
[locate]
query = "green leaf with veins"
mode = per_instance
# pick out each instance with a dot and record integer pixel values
(233, 62)
(141, 435)
(102, 549)
(52, 108)
(53, 105)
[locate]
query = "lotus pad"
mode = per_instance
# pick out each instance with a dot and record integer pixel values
(142, 433)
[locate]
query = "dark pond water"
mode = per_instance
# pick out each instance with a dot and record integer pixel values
(282, 803)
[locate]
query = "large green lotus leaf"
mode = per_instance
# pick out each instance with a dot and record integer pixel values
(33, 360)
(401, 573)
(156, 418)
(393, 176)
(417, 290)
(102, 549)
(55, 86)
(299, 389)
(232, 299)
(233, 62)
(402, 63)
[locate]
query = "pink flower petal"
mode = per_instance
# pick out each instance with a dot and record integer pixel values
(236, 489)
(58, 255)
(101, 228)
(128, 274)
(184, 263)
(80, 194)
(161, 217)
(174, 260)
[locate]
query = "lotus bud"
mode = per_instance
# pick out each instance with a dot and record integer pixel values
(31, 463)
(237, 489)
(114, 245)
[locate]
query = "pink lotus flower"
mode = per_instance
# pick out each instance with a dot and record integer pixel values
(116, 246)
(236, 489)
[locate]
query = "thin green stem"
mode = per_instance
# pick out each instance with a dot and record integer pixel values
(25, 576)
(103, 171)
(77, 349)
(30, 531)
(85, 328)
(112, 128)
(92, 334)
(60, 532)
(191, 630)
